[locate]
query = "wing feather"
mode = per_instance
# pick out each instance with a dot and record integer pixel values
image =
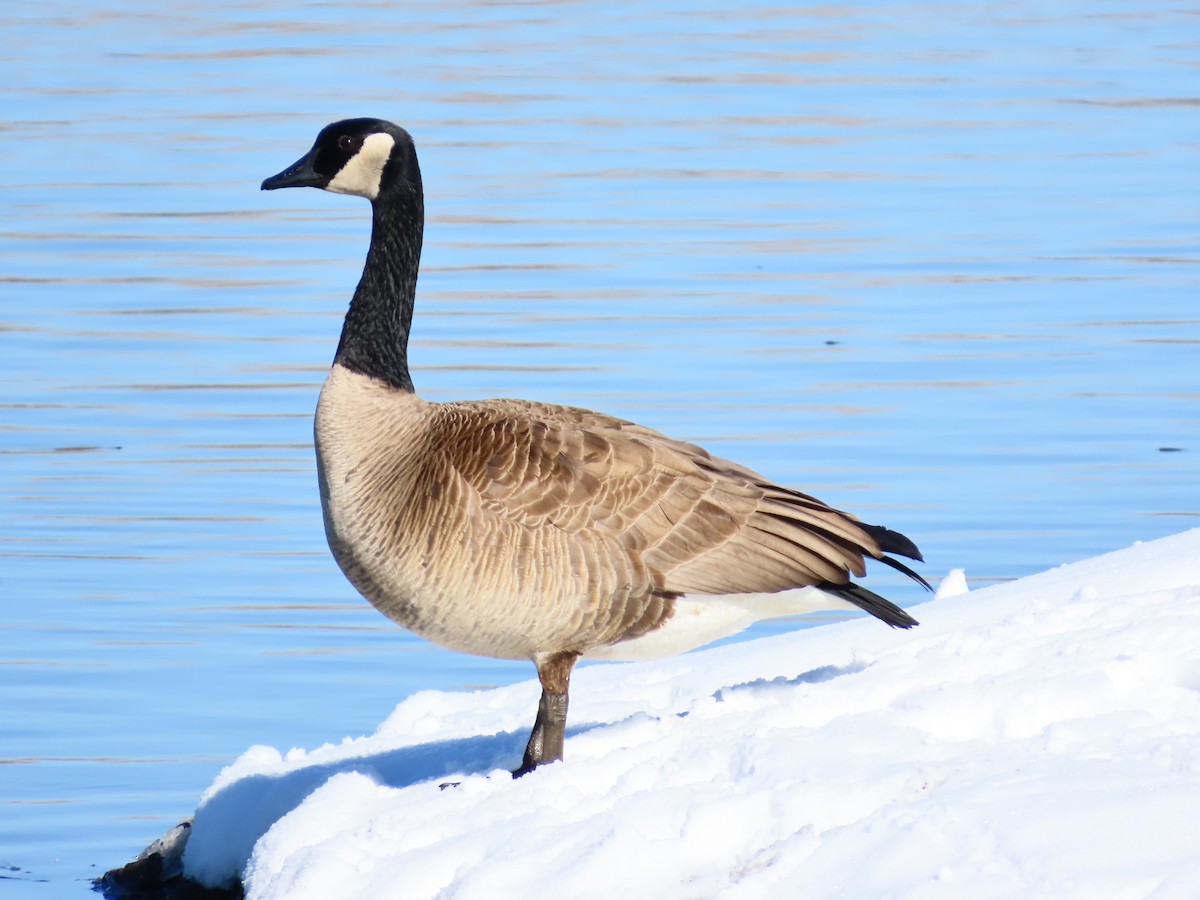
(690, 521)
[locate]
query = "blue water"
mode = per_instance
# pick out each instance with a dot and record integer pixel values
(936, 263)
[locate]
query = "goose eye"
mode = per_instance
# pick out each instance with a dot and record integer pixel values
(345, 142)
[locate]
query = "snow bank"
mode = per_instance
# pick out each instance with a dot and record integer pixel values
(1037, 738)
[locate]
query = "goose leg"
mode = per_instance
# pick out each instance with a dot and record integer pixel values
(550, 726)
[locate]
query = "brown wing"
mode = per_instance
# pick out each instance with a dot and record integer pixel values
(700, 524)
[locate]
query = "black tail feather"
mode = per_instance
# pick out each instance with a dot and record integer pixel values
(893, 542)
(901, 567)
(868, 601)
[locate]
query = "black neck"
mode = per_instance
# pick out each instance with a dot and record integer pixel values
(375, 334)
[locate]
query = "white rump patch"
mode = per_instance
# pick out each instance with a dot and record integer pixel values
(700, 619)
(363, 172)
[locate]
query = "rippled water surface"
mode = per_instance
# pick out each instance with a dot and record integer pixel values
(936, 263)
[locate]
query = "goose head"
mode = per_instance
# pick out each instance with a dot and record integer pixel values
(366, 157)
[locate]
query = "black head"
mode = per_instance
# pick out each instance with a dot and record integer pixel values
(365, 157)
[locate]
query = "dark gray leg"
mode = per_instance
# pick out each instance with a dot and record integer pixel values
(550, 726)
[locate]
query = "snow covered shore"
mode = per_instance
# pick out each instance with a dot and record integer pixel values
(1034, 739)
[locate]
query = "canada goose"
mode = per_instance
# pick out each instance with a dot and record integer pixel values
(523, 530)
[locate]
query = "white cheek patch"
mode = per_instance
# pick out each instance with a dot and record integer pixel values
(364, 171)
